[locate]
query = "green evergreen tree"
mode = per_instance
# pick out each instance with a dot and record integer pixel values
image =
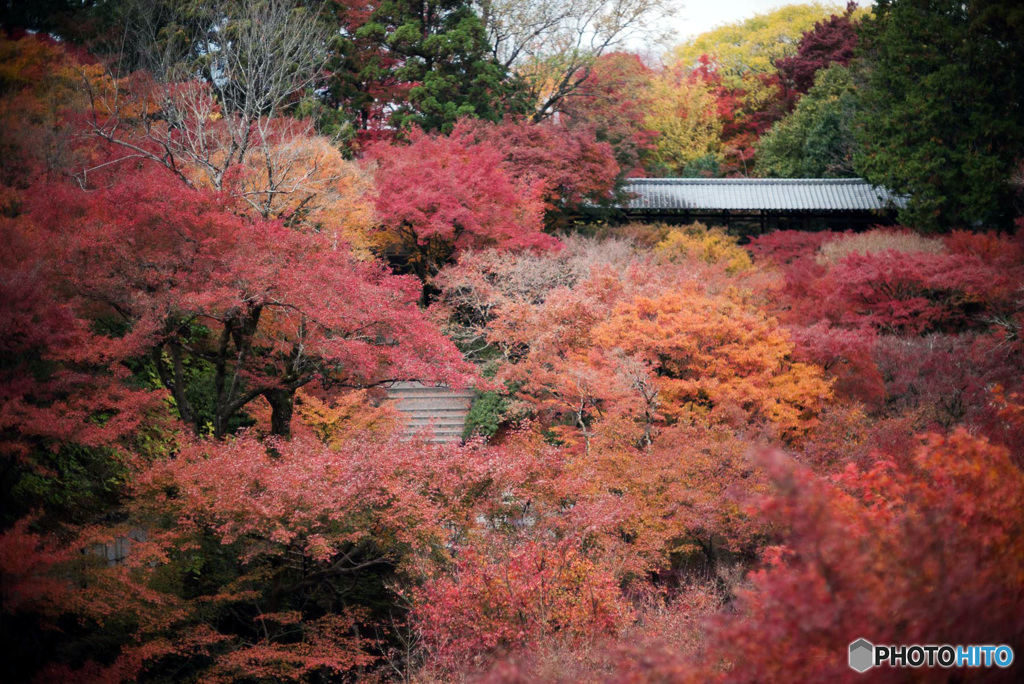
(816, 140)
(422, 62)
(943, 110)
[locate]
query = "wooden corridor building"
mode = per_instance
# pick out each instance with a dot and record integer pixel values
(752, 206)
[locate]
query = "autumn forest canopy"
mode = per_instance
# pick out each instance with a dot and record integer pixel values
(230, 228)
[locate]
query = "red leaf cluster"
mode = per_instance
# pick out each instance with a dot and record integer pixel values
(439, 196)
(832, 41)
(569, 165)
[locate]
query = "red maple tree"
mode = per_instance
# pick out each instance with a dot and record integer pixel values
(174, 274)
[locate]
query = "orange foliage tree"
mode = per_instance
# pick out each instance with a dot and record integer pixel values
(711, 356)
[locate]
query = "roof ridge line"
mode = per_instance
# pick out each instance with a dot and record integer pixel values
(717, 181)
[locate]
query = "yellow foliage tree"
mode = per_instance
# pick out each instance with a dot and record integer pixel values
(754, 45)
(744, 50)
(334, 420)
(697, 241)
(683, 112)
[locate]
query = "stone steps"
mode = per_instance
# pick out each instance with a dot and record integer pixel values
(408, 389)
(433, 404)
(440, 412)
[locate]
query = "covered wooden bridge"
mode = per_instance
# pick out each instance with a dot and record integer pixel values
(751, 206)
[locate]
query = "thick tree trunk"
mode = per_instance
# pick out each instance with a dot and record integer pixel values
(174, 380)
(282, 405)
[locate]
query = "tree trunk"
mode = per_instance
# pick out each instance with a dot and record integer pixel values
(282, 404)
(174, 380)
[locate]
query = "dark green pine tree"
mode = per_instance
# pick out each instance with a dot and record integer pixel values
(942, 116)
(423, 62)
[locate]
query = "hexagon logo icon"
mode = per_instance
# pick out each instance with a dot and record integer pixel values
(862, 655)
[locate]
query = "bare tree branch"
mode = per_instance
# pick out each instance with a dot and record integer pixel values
(552, 44)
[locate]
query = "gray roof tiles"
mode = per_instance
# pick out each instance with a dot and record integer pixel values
(752, 194)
